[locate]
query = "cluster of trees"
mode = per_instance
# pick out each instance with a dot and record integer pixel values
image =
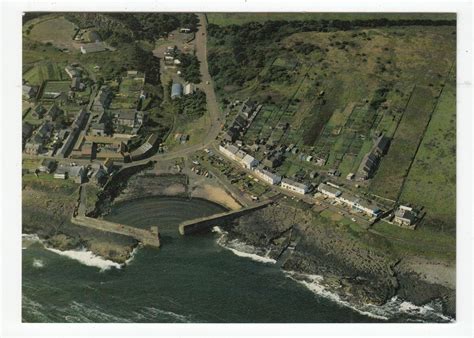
(244, 49)
(190, 68)
(193, 106)
(129, 56)
(380, 96)
(117, 28)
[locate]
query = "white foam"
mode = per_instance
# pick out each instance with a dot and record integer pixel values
(132, 256)
(390, 309)
(87, 258)
(241, 249)
(314, 283)
(38, 263)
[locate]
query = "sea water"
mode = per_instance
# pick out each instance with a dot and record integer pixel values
(190, 279)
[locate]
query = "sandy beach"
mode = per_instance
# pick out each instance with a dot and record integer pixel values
(215, 194)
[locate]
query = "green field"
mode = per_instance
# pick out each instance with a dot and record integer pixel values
(431, 181)
(394, 167)
(37, 74)
(323, 85)
(56, 30)
(224, 19)
(423, 241)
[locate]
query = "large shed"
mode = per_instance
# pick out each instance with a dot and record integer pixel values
(176, 90)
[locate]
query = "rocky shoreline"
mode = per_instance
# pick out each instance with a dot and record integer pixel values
(357, 274)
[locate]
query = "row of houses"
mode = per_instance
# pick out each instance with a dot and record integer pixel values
(238, 155)
(350, 200)
(249, 162)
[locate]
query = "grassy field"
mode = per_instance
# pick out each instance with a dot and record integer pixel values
(431, 181)
(224, 19)
(56, 30)
(394, 167)
(423, 241)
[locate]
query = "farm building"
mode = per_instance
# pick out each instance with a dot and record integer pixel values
(126, 118)
(329, 191)
(176, 90)
(94, 47)
(294, 186)
(267, 176)
(188, 89)
(405, 217)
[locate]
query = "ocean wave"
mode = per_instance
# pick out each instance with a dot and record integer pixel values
(132, 256)
(87, 258)
(154, 312)
(28, 239)
(393, 308)
(87, 313)
(241, 249)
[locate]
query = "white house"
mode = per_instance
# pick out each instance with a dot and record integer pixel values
(328, 190)
(229, 150)
(359, 204)
(249, 162)
(291, 185)
(267, 176)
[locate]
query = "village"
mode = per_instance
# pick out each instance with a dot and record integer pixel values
(85, 131)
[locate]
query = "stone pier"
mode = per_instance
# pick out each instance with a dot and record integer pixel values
(147, 237)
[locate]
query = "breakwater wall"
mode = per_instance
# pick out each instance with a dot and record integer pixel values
(147, 237)
(202, 224)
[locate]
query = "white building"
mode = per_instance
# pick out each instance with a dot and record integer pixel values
(329, 191)
(297, 187)
(359, 204)
(229, 150)
(267, 176)
(188, 89)
(249, 162)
